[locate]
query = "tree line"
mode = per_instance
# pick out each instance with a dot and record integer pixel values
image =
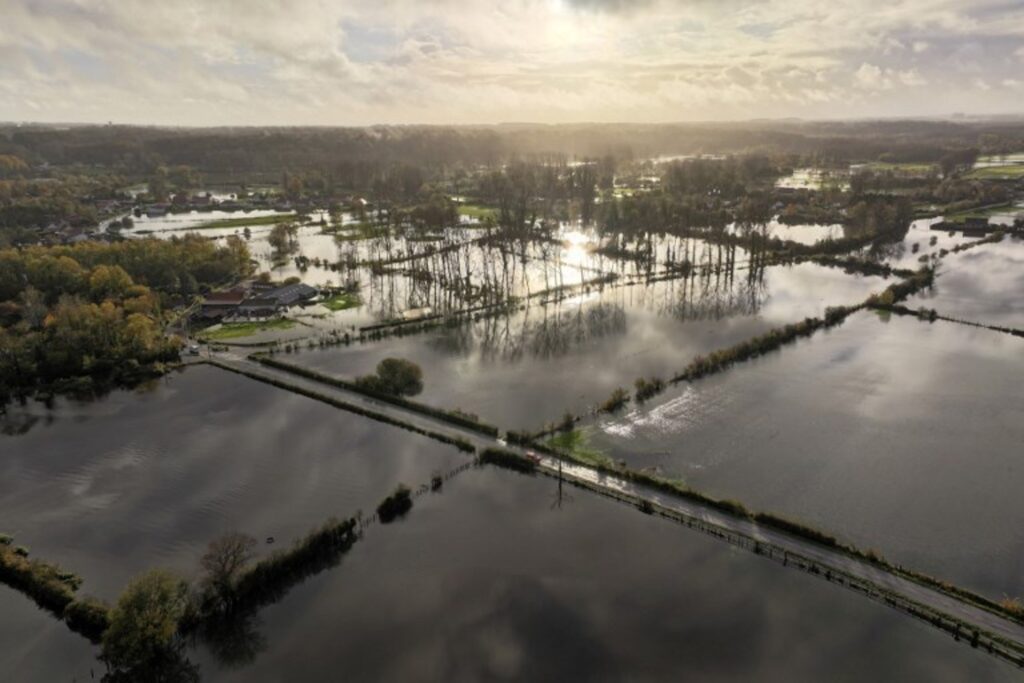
(90, 316)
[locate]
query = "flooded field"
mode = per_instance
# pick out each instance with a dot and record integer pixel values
(801, 234)
(891, 433)
(37, 647)
(921, 245)
(194, 221)
(497, 576)
(111, 488)
(813, 179)
(493, 579)
(520, 370)
(982, 285)
(915, 451)
(995, 161)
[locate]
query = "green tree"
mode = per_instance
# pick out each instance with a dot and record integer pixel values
(292, 186)
(158, 186)
(33, 307)
(183, 178)
(55, 275)
(282, 238)
(144, 623)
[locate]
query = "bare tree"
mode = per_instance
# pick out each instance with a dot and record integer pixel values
(223, 562)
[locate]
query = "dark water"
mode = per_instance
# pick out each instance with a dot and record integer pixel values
(36, 647)
(111, 488)
(487, 581)
(523, 370)
(493, 578)
(900, 435)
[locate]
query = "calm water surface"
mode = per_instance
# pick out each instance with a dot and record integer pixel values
(36, 647)
(488, 581)
(522, 370)
(111, 488)
(495, 577)
(900, 435)
(983, 284)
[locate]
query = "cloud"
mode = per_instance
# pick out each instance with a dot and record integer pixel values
(871, 77)
(457, 61)
(911, 78)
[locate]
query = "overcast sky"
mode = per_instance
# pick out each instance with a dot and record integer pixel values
(292, 62)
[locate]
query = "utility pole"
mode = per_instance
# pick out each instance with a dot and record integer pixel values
(560, 495)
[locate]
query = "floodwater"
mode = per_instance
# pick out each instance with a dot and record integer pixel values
(34, 646)
(137, 480)
(983, 284)
(800, 233)
(522, 370)
(893, 434)
(920, 246)
(494, 579)
(188, 221)
(813, 179)
(999, 160)
(504, 577)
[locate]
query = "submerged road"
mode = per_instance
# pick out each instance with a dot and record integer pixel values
(900, 591)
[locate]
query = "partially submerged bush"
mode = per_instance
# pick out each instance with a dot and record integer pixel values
(395, 505)
(616, 401)
(648, 388)
(268, 579)
(395, 376)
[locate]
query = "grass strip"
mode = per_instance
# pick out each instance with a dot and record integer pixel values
(246, 221)
(247, 329)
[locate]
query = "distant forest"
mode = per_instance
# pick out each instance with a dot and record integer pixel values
(357, 153)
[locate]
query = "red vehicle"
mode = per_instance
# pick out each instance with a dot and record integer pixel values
(533, 457)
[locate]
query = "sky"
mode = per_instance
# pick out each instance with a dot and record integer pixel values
(361, 62)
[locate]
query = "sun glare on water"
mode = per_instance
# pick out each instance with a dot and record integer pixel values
(578, 245)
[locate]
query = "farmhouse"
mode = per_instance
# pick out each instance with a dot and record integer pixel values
(216, 305)
(264, 301)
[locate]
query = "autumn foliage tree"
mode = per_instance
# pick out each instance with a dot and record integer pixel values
(83, 317)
